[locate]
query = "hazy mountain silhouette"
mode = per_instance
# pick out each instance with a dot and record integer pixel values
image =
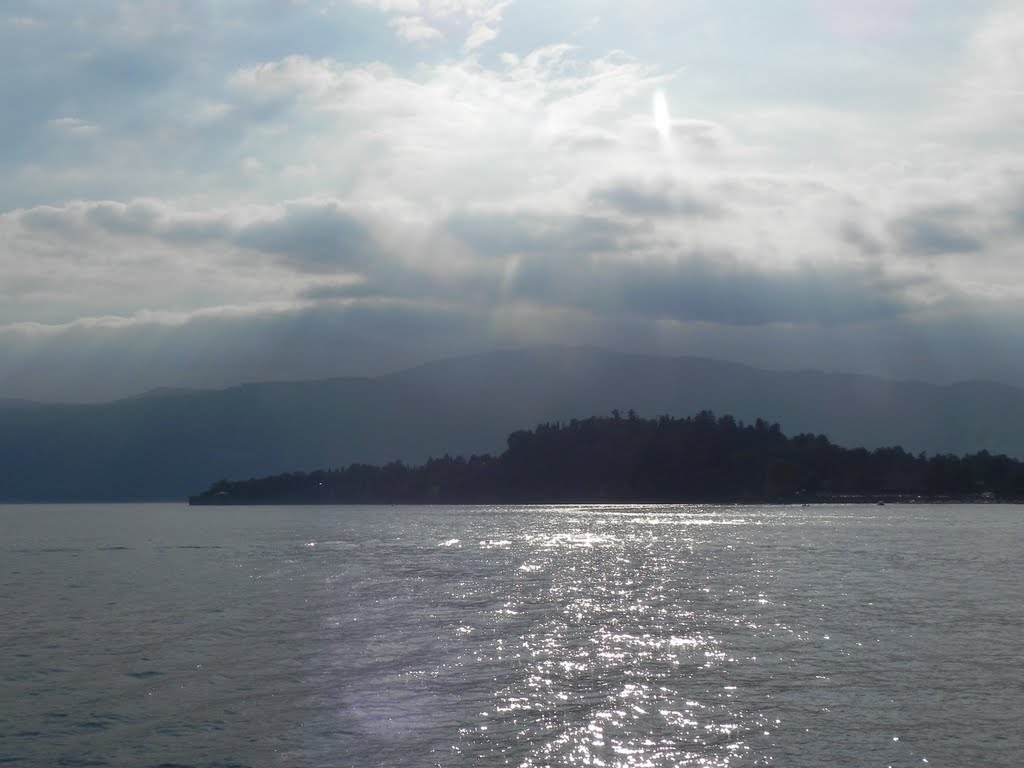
(168, 444)
(14, 402)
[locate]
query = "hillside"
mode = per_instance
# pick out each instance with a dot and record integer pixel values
(167, 445)
(629, 459)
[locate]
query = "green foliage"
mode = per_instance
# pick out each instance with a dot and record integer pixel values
(698, 459)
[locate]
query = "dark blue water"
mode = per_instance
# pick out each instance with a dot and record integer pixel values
(159, 635)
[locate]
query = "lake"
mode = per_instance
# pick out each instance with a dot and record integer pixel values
(163, 635)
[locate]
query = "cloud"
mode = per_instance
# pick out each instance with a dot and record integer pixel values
(146, 255)
(937, 231)
(329, 292)
(312, 237)
(587, 139)
(658, 197)
(726, 248)
(986, 98)
(188, 171)
(509, 234)
(414, 29)
(72, 125)
(427, 134)
(1016, 211)
(703, 288)
(287, 78)
(481, 34)
(97, 259)
(419, 20)
(860, 237)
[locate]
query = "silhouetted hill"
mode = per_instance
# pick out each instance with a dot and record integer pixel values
(168, 445)
(629, 459)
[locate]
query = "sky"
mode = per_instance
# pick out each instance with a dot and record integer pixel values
(199, 194)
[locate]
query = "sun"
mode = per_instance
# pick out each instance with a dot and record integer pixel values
(662, 120)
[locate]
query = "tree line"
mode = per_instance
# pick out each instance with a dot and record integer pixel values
(702, 458)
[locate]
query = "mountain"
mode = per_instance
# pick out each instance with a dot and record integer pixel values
(163, 392)
(169, 444)
(13, 402)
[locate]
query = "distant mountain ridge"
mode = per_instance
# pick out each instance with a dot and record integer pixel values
(167, 444)
(17, 402)
(163, 392)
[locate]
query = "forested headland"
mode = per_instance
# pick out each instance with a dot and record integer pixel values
(626, 458)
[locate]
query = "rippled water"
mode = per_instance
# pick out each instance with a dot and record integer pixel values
(156, 635)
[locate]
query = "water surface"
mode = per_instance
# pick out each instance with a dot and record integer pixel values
(149, 635)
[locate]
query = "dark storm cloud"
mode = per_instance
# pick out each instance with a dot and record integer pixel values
(937, 231)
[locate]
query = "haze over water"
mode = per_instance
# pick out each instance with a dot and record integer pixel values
(147, 635)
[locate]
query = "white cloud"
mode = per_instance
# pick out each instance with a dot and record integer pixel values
(986, 97)
(95, 259)
(414, 29)
(390, 6)
(290, 76)
(428, 134)
(481, 34)
(73, 125)
(422, 20)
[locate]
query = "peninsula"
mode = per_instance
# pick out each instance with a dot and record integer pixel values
(625, 458)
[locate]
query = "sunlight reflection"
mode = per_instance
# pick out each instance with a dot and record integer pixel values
(585, 540)
(495, 544)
